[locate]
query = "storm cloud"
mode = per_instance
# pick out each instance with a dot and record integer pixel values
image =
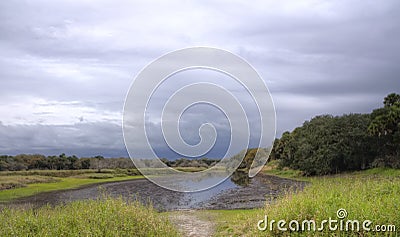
(66, 66)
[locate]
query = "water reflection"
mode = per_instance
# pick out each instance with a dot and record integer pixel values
(198, 199)
(240, 178)
(236, 192)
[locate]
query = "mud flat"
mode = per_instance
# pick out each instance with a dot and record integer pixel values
(238, 192)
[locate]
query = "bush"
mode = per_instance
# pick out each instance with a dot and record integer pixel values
(328, 145)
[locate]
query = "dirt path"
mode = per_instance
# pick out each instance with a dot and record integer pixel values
(191, 224)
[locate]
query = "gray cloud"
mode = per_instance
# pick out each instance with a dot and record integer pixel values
(83, 139)
(66, 66)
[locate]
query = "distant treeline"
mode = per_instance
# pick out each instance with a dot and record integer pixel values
(61, 162)
(183, 162)
(331, 144)
(64, 162)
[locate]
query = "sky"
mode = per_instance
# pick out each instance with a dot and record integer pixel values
(66, 66)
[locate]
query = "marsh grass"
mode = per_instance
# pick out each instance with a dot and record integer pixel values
(99, 176)
(16, 184)
(64, 183)
(103, 217)
(272, 169)
(52, 173)
(370, 195)
(190, 169)
(17, 181)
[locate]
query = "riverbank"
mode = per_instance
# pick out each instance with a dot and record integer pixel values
(238, 192)
(29, 183)
(246, 193)
(366, 195)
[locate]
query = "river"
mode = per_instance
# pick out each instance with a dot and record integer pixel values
(236, 192)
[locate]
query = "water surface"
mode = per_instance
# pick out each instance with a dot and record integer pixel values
(236, 192)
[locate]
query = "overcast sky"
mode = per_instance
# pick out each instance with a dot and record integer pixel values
(66, 66)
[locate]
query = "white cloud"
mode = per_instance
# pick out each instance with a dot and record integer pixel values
(32, 111)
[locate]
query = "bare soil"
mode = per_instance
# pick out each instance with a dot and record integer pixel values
(252, 194)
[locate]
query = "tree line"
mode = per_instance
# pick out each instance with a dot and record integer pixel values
(184, 162)
(61, 162)
(64, 162)
(331, 144)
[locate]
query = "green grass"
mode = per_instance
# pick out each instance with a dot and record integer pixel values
(52, 173)
(103, 217)
(99, 176)
(190, 169)
(64, 183)
(286, 173)
(372, 194)
(380, 172)
(272, 169)
(18, 181)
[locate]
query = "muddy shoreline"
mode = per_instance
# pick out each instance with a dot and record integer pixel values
(244, 194)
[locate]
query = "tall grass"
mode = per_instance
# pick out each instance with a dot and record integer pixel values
(103, 217)
(371, 195)
(18, 181)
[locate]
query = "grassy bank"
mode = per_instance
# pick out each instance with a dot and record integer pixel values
(69, 173)
(63, 183)
(272, 169)
(103, 217)
(369, 195)
(18, 184)
(19, 181)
